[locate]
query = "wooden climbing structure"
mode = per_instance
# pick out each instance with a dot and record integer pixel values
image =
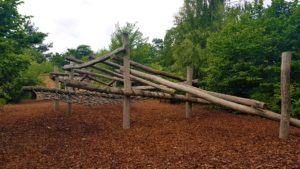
(114, 78)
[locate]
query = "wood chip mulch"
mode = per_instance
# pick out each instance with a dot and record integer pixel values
(32, 136)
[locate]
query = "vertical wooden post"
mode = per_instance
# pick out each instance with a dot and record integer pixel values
(189, 81)
(127, 83)
(115, 84)
(285, 95)
(70, 105)
(57, 86)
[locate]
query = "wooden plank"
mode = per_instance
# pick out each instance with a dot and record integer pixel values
(189, 81)
(127, 83)
(285, 95)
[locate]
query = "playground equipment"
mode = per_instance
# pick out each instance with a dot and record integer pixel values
(114, 78)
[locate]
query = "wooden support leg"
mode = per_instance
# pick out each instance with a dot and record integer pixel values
(127, 84)
(57, 86)
(285, 95)
(189, 81)
(69, 111)
(126, 112)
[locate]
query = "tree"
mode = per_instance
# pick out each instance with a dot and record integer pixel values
(140, 49)
(57, 59)
(249, 49)
(80, 52)
(18, 41)
(185, 43)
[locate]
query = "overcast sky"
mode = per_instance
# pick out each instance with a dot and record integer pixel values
(70, 23)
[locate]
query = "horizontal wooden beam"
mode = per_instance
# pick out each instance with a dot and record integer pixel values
(110, 90)
(143, 87)
(69, 92)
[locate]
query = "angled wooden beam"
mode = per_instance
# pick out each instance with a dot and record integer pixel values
(97, 75)
(95, 61)
(213, 99)
(96, 67)
(96, 80)
(154, 71)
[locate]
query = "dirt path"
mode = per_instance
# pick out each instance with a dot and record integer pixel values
(32, 136)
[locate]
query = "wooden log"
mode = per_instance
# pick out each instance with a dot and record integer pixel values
(52, 75)
(209, 97)
(127, 83)
(70, 105)
(154, 71)
(143, 87)
(236, 99)
(97, 75)
(113, 83)
(57, 86)
(97, 80)
(154, 85)
(68, 92)
(119, 91)
(157, 86)
(160, 87)
(95, 61)
(189, 81)
(285, 95)
(96, 67)
(84, 77)
(244, 101)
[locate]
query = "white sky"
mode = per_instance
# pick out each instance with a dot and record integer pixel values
(70, 23)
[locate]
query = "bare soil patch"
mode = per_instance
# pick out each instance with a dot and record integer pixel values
(32, 136)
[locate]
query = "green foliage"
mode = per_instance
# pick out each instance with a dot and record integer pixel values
(236, 50)
(58, 59)
(185, 44)
(140, 50)
(249, 49)
(20, 44)
(80, 52)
